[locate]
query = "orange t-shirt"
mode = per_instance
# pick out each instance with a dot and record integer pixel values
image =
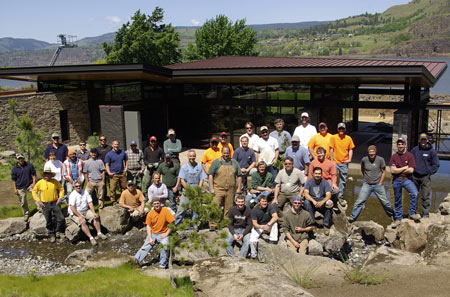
(159, 221)
(328, 170)
(210, 155)
(132, 200)
(320, 141)
(341, 146)
(230, 146)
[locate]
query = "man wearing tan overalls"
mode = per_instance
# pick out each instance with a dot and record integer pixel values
(222, 180)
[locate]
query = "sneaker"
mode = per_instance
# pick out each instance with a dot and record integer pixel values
(343, 204)
(254, 257)
(133, 261)
(100, 204)
(52, 239)
(101, 236)
(162, 267)
(395, 224)
(93, 241)
(415, 217)
(326, 230)
(60, 235)
(350, 219)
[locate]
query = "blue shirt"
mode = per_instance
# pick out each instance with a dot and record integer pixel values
(115, 160)
(60, 152)
(317, 191)
(192, 175)
(244, 158)
(23, 175)
(282, 144)
(74, 169)
(300, 156)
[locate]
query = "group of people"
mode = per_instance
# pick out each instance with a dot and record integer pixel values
(313, 178)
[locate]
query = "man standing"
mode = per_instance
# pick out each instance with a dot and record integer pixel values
(169, 171)
(103, 148)
(305, 131)
(211, 154)
(282, 136)
(23, 177)
(153, 156)
(83, 153)
(48, 194)
(289, 183)
(223, 142)
(328, 169)
(427, 164)
(264, 220)
(133, 201)
(172, 146)
(222, 180)
(373, 169)
(341, 152)
(94, 172)
(299, 154)
(116, 166)
(191, 174)
(246, 158)
(72, 171)
(262, 182)
(136, 166)
(321, 139)
(402, 168)
(239, 228)
(157, 221)
(297, 225)
(268, 151)
(318, 193)
(81, 212)
(59, 148)
(250, 133)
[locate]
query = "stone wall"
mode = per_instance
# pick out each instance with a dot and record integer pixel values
(43, 109)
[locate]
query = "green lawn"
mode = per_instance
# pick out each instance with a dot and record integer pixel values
(5, 173)
(121, 281)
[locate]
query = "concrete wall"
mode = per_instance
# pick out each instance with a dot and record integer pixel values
(43, 109)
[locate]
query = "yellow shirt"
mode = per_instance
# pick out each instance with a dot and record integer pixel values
(49, 190)
(210, 155)
(320, 141)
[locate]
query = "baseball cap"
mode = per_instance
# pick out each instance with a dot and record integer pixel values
(263, 128)
(18, 156)
(322, 124)
(341, 125)
(130, 182)
(213, 139)
(55, 135)
(171, 132)
(295, 138)
(223, 133)
(133, 142)
(423, 136)
(153, 138)
(298, 198)
(401, 139)
(304, 114)
(70, 152)
(168, 155)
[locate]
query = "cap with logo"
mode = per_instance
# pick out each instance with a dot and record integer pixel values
(304, 114)
(401, 139)
(263, 128)
(153, 138)
(423, 136)
(55, 135)
(341, 125)
(295, 138)
(133, 142)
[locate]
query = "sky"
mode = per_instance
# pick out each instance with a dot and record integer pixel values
(45, 19)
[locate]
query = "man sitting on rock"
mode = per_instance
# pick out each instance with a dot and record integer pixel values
(157, 221)
(318, 193)
(264, 219)
(262, 182)
(133, 200)
(289, 183)
(81, 211)
(239, 228)
(297, 225)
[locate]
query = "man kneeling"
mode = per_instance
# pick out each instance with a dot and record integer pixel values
(297, 225)
(81, 211)
(239, 228)
(264, 219)
(157, 221)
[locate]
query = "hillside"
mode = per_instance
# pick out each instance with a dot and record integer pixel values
(8, 44)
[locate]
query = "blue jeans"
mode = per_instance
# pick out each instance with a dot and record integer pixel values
(342, 171)
(256, 196)
(365, 192)
(146, 247)
(245, 242)
(181, 212)
(273, 171)
(398, 184)
(171, 197)
(323, 210)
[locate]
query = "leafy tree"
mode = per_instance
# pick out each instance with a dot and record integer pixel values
(220, 37)
(144, 40)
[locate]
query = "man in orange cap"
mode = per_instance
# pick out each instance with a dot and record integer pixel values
(223, 142)
(72, 171)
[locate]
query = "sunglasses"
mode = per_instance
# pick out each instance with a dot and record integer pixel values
(103, 139)
(82, 144)
(77, 186)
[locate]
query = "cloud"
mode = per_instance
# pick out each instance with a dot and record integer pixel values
(195, 22)
(113, 19)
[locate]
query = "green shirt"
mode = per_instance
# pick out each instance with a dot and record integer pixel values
(265, 181)
(169, 174)
(292, 219)
(216, 165)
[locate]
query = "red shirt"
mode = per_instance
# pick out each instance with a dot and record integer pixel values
(402, 160)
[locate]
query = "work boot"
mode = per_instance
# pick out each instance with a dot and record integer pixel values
(93, 241)
(101, 236)
(395, 224)
(415, 217)
(52, 239)
(350, 220)
(326, 230)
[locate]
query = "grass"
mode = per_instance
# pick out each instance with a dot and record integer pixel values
(304, 279)
(360, 274)
(121, 281)
(5, 173)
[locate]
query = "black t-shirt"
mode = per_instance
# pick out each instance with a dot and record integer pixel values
(240, 219)
(263, 216)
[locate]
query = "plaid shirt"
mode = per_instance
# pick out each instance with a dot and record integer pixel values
(135, 160)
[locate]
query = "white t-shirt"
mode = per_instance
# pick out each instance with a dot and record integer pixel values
(56, 167)
(266, 149)
(80, 201)
(305, 134)
(251, 140)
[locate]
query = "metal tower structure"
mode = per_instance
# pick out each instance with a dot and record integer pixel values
(66, 41)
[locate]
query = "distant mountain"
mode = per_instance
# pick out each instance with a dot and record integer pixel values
(97, 40)
(8, 44)
(283, 26)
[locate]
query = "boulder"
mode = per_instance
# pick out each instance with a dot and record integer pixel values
(115, 219)
(386, 255)
(440, 259)
(233, 276)
(333, 244)
(444, 208)
(369, 230)
(189, 255)
(79, 257)
(90, 259)
(37, 225)
(12, 226)
(438, 240)
(73, 231)
(165, 273)
(7, 154)
(315, 248)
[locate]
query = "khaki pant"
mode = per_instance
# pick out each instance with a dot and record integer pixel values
(22, 195)
(88, 217)
(96, 186)
(284, 198)
(301, 250)
(117, 178)
(225, 198)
